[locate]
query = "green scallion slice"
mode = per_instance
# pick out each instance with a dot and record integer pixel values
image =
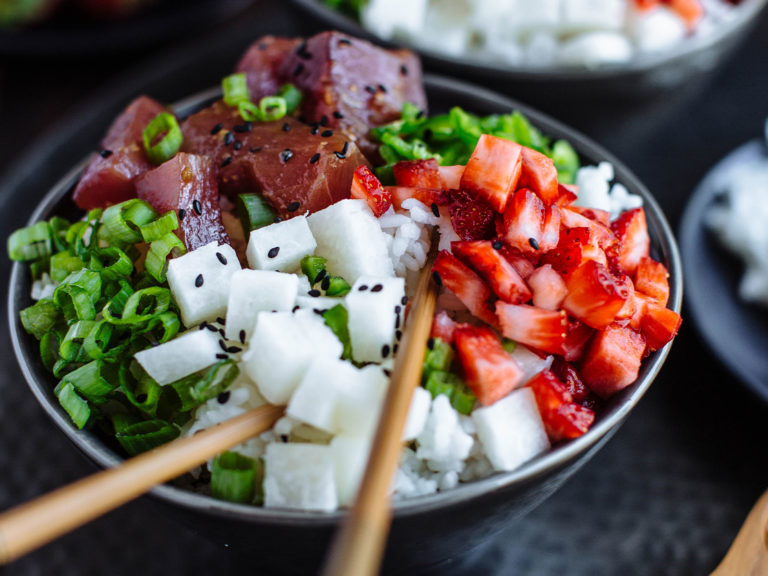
(40, 318)
(234, 477)
(272, 108)
(438, 358)
(235, 89)
(162, 138)
(292, 97)
(337, 320)
(73, 404)
(30, 243)
(254, 212)
(337, 286)
(94, 380)
(147, 435)
(248, 111)
(112, 263)
(63, 264)
(156, 262)
(121, 223)
(195, 390)
(312, 266)
(159, 227)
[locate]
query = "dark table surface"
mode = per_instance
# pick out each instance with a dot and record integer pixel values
(666, 495)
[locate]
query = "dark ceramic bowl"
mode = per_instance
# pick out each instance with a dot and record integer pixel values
(646, 76)
(428, 531)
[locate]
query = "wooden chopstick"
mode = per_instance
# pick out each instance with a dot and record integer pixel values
(359, 546)
(30, 525)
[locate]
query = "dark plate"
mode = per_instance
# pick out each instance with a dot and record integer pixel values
(736, 332)
(469, 514)
(70, 34)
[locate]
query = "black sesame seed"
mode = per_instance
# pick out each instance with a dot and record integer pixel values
(241, 128)
(315, 130)
(377, 288)
(431, 343)
(324, 120)
(436, 278)
(394, 348)
(105, 153)
(398, 309)
(340, 155)
(199, 281)
(242, 336)
(398, 334)
(286, 127)
(234, 349)
(363, 287)
(221, 356)
(203, 325)
(344, 41)
(182, 213)
(303, 53)
(326, 283)
(197, 206)
(345, 148)
(338, 115)
(321, 276)
(387, 373)
(534, 243)
(221, 258)
(315, 158)
(314, 293)
(420, 114)
(141, 398)
(404, 300)
(385, 351)
(370, 89)
(223, 398)
(273, 251)
(404, 70)
(293, 206)
(223, 345)
(318, 311)
(211, 328)
(216, 129)
(277, 219)
(383, 88)
(435, 210)
(327, 133)
(284, 438)
(498, 245)
(226, 162)
(222, 333)
(397, 321)
(255, 149)
(237, 145)
(286, 155)
(228, 138)
(221, 321)
(298, 70)
(295, 308)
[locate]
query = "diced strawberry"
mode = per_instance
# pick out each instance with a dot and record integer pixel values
(443, 327)
(576, 337)
(612, 360)
(659, 325)
(645, 5)
(541, 329)
(570, 377)
(450, 176)
(652, 279)
(471, 218)
(501, 276)
(550, 392)
(630, 304)
(366, 186)
(568, 254)
(634, 243)
(566, 194)
(530, 226)
(548, 287)
(489, 370)
(595, 295)
(523, 265)
(689, 10)
(602, 234)
(570, 421)
(601, 216)
(539, 174)
(426, 196)
(563, 419)
(492, 172)
(466, 285)
(418, 174)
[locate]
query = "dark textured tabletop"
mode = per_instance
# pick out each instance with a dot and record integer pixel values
(665, 496)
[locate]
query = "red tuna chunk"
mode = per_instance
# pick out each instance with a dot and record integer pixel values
(261, 64)
(109, 178)
(187, 185)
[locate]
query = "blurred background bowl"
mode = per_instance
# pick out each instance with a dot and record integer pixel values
(293, 542)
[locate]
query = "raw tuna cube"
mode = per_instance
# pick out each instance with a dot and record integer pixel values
(350, 455)
(300, 476)
(261, 64)
(349, 236)
(109, 178)
(200, 282)
(253, 291)
(511, 430)
(352, 85)
(281, 246)
(180, 357)
(371, 307)
(187, 185)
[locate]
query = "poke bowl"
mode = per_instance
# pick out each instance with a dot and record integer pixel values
(644, 76)
(293, 540)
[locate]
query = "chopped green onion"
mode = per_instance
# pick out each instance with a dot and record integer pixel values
(49, 349)
(463, 400)
(508, 345)
(337, 320)
(438, 358)
(63, 264)
(337, 286)
(312, 266)
(121, 223)
(162, 327)
(292, 97)
(235, 89)
(566, 161)
(73, 404)
(162, 138)
(195, 390)
(272, 108)
(254, 212)
(40, 318)
(449, 384)
(234, 476)
(156, 263)
(112, 263)
(147, 435)
(77, 295)
(248, 111)
(96, 342)
(71, 348)
(30, 243)
(140, 389)
(141, 306)
(159, 227)
(94, 380)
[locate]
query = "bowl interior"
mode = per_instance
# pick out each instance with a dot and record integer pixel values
(442, 93)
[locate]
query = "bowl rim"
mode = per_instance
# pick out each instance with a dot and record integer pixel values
(474, 66)
(607, 422)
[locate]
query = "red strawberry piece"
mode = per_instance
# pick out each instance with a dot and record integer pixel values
(576, 337)
(366, 186)
(492, 172)
(570, 377)
(426, 196)
(466, 285)
(548, 287)
(599, 232)
(539, 174)
(535, 327)
(529, 226)
(472, 219)
(566, 194)
(659, 325)
(570, 421)
(418, 173)
(523, 265)
(689, 10)
(569, 252)
(501, 276)
(630, 304)
(595, 296)
(563, 419)
(550, 392)
(489, 370)
(652, 279)
(443, 327)
(634, 243)
(601, 216)
(450, 176)
(612, 360)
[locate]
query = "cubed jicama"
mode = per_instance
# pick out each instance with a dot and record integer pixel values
(442, 442)
(300, 476)
(349, 236)
(254, 291)
(200, 282)
(357, 411)
(417, 414)
(511, 430)
(371, 305)
(350, 455)
(656, 29)
(180, 357)
(281, 246)
(595, 49)
(581, 15)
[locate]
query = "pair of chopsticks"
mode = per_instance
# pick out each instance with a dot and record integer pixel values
(359, 546)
